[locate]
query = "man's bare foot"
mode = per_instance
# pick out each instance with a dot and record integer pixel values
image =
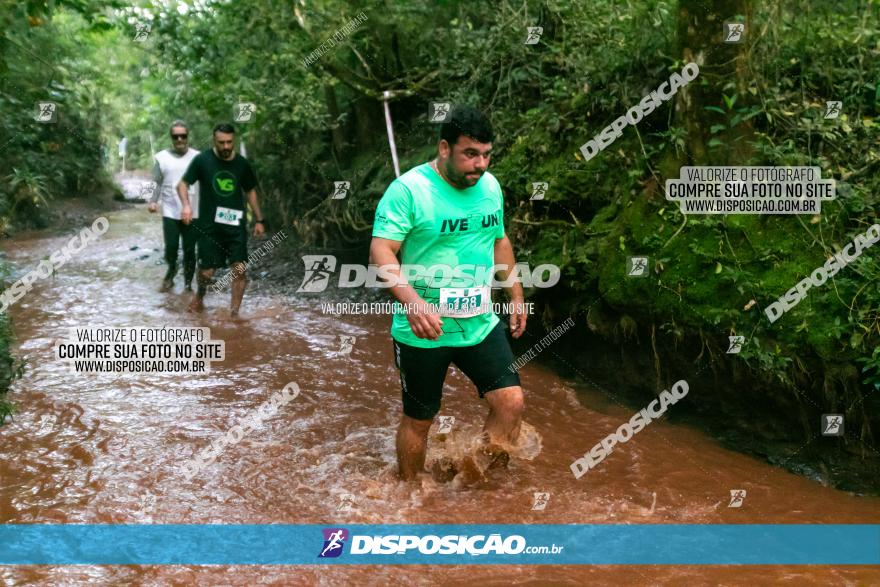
(443, 470)
(167, 285)
(497, 456)
(470, 473)
(196, 305)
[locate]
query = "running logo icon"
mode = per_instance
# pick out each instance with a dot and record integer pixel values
(832, 424)
(46, 112)
(319, 268)
(439, 111)
(736, 343)
(334, 540)
(734, 32)
(346, 343)
(244, 112)
(346, 503)
(539, 189)
(340, 190)
(541, 500)
(534, 35)
(446, 424)
(737, 497)
(832, 109)
(147, 189)
(637, 267)
(141, 32)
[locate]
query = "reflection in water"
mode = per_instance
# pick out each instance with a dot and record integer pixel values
(112, 448)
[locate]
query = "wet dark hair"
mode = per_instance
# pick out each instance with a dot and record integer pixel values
(468, 121)
(224, 127)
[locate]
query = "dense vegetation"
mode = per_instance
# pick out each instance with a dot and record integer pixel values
(321, 120)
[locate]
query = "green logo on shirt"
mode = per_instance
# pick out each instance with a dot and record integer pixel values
(224, 183)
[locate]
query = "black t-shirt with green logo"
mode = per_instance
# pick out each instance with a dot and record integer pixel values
(221, 183)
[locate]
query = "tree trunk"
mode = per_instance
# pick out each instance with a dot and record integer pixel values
(701, 40)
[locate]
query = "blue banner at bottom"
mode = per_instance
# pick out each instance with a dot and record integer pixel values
(541, 544)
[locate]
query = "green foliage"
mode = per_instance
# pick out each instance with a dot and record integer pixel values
(321, 122)
(45, 55)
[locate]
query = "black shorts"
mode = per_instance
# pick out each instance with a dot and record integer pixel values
(423, 371)
(221, 246)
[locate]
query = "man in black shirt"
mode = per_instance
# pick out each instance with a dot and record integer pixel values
(225, 179)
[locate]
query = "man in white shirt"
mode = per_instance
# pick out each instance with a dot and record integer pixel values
(169, 168)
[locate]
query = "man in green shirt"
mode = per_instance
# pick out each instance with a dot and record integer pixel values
(449, 213)
(225, 179)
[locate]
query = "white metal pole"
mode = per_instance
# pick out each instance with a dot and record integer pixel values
(385, 97)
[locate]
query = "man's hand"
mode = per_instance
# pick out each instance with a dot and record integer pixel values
(425, 322)
(187, 214)
(258, 229)
(518, 318)
(152, 207)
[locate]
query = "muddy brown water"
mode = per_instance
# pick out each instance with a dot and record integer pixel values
(110, 448)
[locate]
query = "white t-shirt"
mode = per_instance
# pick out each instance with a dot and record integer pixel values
(167, 172)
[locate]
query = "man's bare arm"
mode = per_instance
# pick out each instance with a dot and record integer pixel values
(425, 323)
(504, 256)
(183, 193)
(259, 229)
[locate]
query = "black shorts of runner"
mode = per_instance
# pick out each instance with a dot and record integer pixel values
(221, 246)
(423, 371)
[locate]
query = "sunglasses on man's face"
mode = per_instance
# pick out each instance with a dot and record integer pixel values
(179, 137)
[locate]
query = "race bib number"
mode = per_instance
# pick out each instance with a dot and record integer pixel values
(464, 302)
(228, 216)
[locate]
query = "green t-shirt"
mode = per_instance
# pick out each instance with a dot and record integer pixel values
(221, 183)
(441, 225)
